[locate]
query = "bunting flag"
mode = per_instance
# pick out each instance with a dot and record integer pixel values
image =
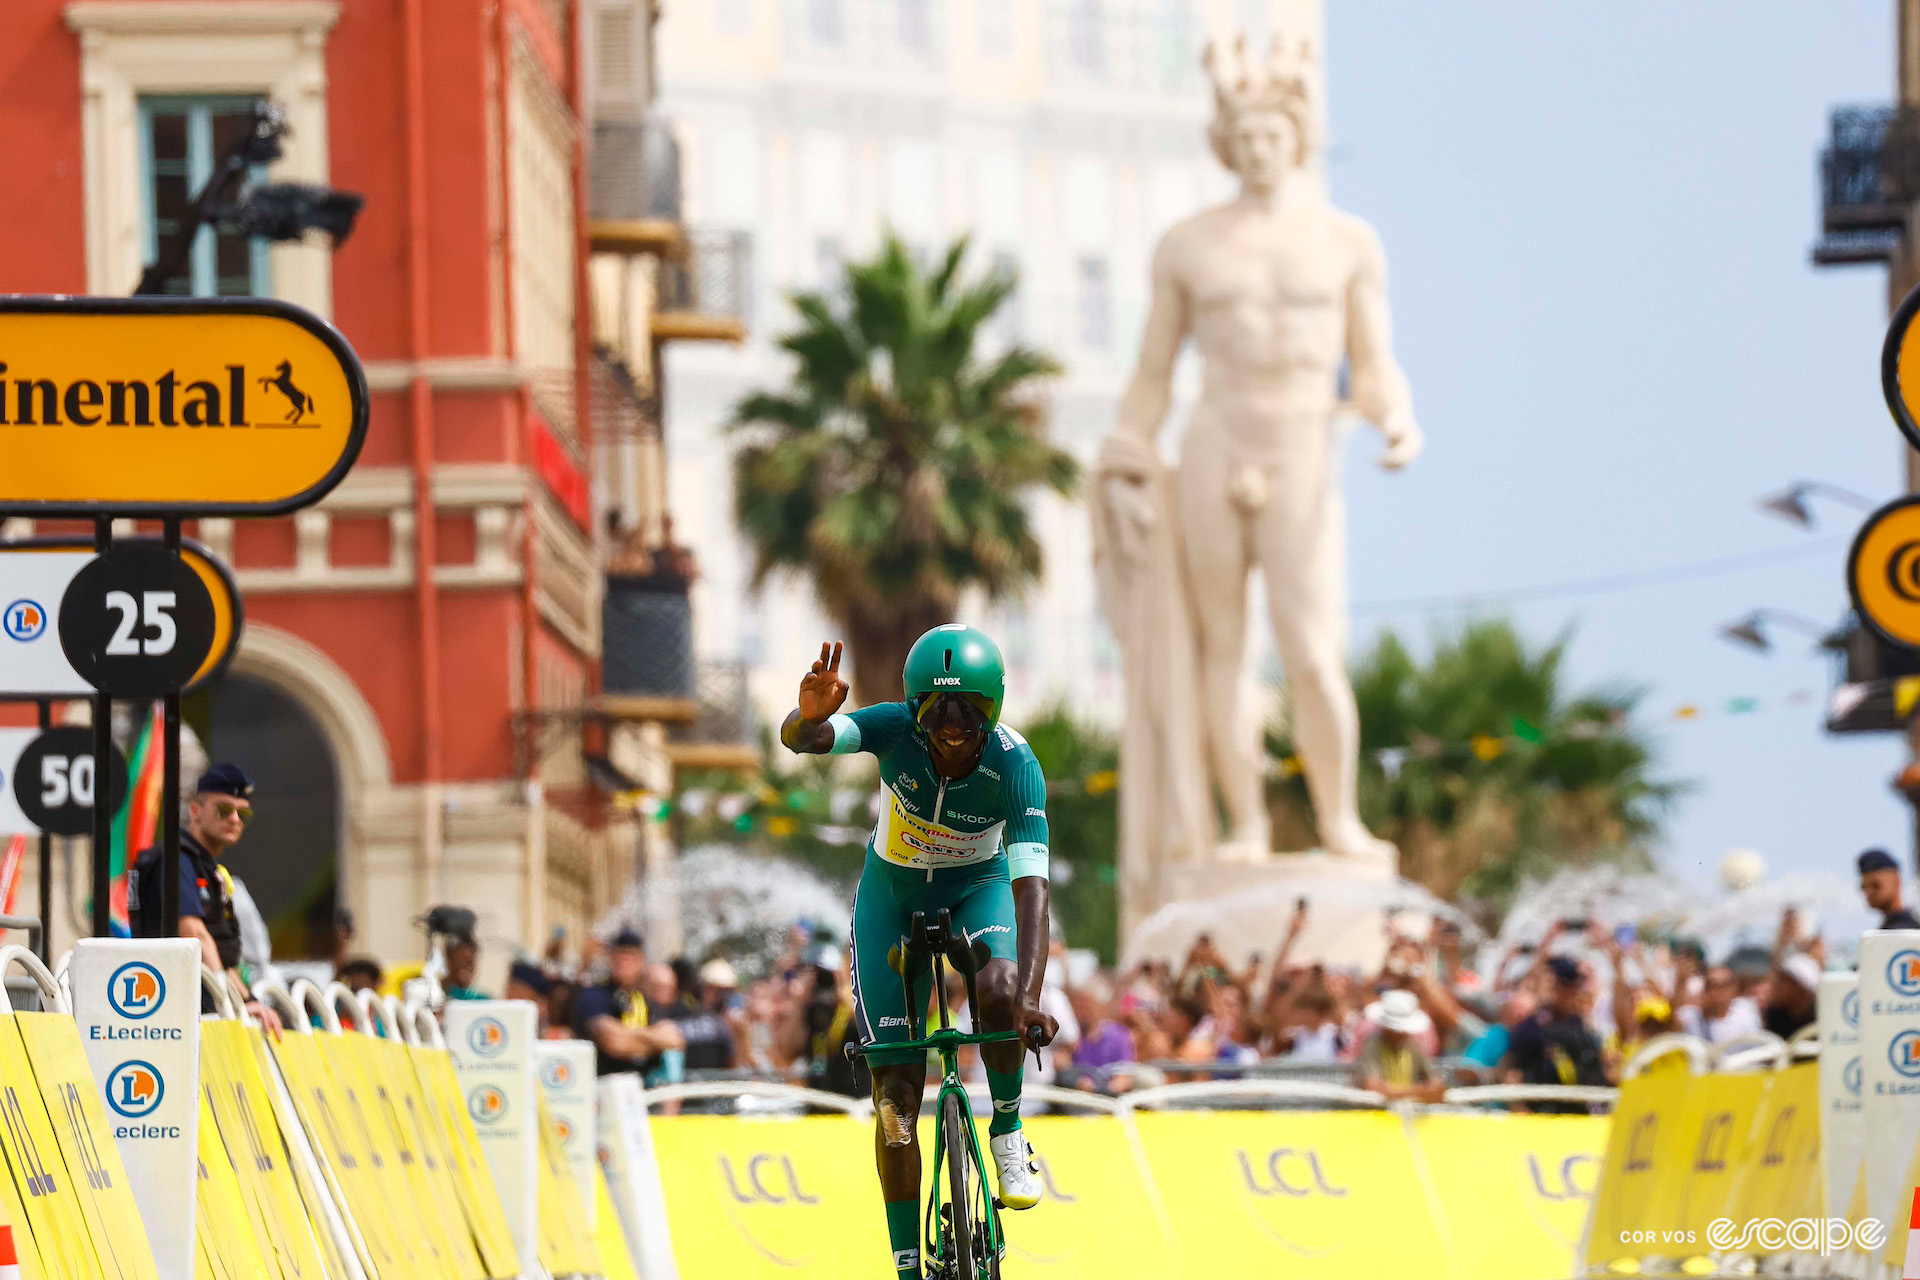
(10, 873)
(135, 826)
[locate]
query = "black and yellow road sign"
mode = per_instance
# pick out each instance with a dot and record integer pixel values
(173, 406)
(1883, 572)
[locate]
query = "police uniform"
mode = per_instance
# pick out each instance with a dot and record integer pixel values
(206, 888)
(628, 1008)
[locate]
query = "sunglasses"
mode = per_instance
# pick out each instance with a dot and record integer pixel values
(245, 814)
(977, 710)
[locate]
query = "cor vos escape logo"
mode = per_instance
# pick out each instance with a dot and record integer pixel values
(242, 405)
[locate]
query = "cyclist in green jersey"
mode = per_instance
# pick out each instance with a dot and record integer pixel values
(963, 825)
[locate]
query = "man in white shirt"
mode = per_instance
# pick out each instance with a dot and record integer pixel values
(1722, 1014)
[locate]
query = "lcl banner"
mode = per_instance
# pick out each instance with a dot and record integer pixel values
(136, 1003)
(565, 1071)
(492, 1045)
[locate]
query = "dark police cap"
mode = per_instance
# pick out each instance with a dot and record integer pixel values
(529, 975)
(1877, 860)
(225, 780)
(627, 938)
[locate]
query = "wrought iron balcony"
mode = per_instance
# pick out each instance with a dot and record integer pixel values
(1869, 179)
(706, 292)
(633, 201)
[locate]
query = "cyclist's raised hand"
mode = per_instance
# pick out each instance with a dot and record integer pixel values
(821, 689)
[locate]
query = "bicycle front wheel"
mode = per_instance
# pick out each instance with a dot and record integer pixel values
(956, 1131)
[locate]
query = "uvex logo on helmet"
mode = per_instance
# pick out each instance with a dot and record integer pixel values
(487, 1037)
(1903, 973)
(136, 990)
(134, 1089)
(486, 1104)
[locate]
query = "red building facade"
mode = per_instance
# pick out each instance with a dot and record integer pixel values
(434, 625)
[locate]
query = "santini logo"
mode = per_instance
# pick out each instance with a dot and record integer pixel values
(487, 1037)
(134, 1089)
(136, 990)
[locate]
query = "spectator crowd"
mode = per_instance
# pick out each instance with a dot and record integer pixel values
(1570, 1009)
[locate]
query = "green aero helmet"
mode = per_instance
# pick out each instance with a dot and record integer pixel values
(956, 658)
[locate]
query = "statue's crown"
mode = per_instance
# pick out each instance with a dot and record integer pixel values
(1242, 83)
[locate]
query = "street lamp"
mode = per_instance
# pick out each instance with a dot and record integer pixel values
(1791, 503)
(1750, 631)
(272, 210)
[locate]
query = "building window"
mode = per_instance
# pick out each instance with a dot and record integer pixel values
(1096, 321)
(1086, 36)
(916, 25)
(996, 28)
(181, 141)
(830, 262)
(825, 21)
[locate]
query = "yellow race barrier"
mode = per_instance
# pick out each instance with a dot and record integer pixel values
(1513, 1190)
(67, 1177)
(566, 1244)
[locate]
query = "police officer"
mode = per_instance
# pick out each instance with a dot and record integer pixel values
(221, 807)
(616, 1017)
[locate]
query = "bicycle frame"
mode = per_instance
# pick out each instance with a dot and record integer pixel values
(947, 1041)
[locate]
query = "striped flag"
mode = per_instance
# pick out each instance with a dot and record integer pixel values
(1912, 1270)
(9, 1260)
(135, 825)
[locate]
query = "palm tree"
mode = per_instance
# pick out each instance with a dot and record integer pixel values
(892, 469)
(1491, 769)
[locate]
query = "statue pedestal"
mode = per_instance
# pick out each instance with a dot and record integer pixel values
(1246, 907)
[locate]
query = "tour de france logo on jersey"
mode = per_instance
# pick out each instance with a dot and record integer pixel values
(136, 990)
(487, 1037)
(24, 621)
(1903, 973)
(134, 1089)
(486, 1104)
(556, 1073)
(1904, 1053)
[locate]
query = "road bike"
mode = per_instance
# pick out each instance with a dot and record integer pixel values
(962, 1228)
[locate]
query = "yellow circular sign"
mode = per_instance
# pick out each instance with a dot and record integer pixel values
(1883, 572)
(173, 406)
(1900, 367)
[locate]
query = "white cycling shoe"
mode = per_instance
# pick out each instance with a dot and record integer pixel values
(1019, 1173)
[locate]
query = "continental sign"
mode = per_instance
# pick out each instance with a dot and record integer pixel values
(1883, 572)
(173, 406)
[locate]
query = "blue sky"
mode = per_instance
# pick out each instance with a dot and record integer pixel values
(1597, 219)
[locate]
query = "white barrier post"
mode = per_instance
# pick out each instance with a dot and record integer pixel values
(1890, 1066)
(136, 1003)
(492, 1045)
(565, 1070)
(1843, 1137)
(633, 1176)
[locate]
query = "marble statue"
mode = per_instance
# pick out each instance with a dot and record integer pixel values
(1276, 289)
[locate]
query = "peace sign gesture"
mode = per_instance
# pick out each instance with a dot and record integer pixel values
(821, 689)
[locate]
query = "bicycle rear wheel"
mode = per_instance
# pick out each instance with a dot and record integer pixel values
(955, 1126)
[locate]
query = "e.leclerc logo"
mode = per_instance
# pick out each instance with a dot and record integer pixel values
(1853, 1076)
(1903, 973)
(136, 990)
(487, 1037)
(1904, 1053)
(486, 1104)
(134, 1089)
(24, 621)
(1850, 1008)
(556, 1073)
(562, 1129)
